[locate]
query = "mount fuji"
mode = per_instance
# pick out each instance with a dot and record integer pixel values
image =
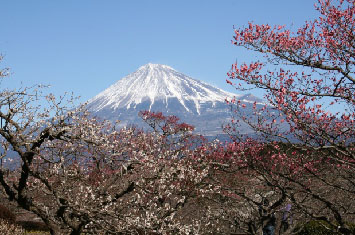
(157, 87)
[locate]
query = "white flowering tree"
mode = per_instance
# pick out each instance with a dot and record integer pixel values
(79, 174)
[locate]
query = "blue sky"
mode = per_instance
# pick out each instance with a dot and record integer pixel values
(84, 46)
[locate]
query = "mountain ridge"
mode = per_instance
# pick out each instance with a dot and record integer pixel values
(157, 87)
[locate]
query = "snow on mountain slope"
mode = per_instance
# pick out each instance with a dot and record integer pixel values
(161, 88)
(158, 82)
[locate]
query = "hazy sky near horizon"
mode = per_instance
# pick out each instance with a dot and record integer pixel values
(84, 46)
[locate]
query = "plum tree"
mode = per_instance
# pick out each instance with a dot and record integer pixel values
(80, 174)
(308, 80)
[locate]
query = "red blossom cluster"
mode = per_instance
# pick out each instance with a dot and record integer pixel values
(168, 124)
(306, 75)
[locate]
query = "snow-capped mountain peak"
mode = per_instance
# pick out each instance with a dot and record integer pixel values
(152, 66)
(161, 88)
(156, 82)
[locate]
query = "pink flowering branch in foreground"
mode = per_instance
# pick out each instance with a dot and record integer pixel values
(309, 82)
